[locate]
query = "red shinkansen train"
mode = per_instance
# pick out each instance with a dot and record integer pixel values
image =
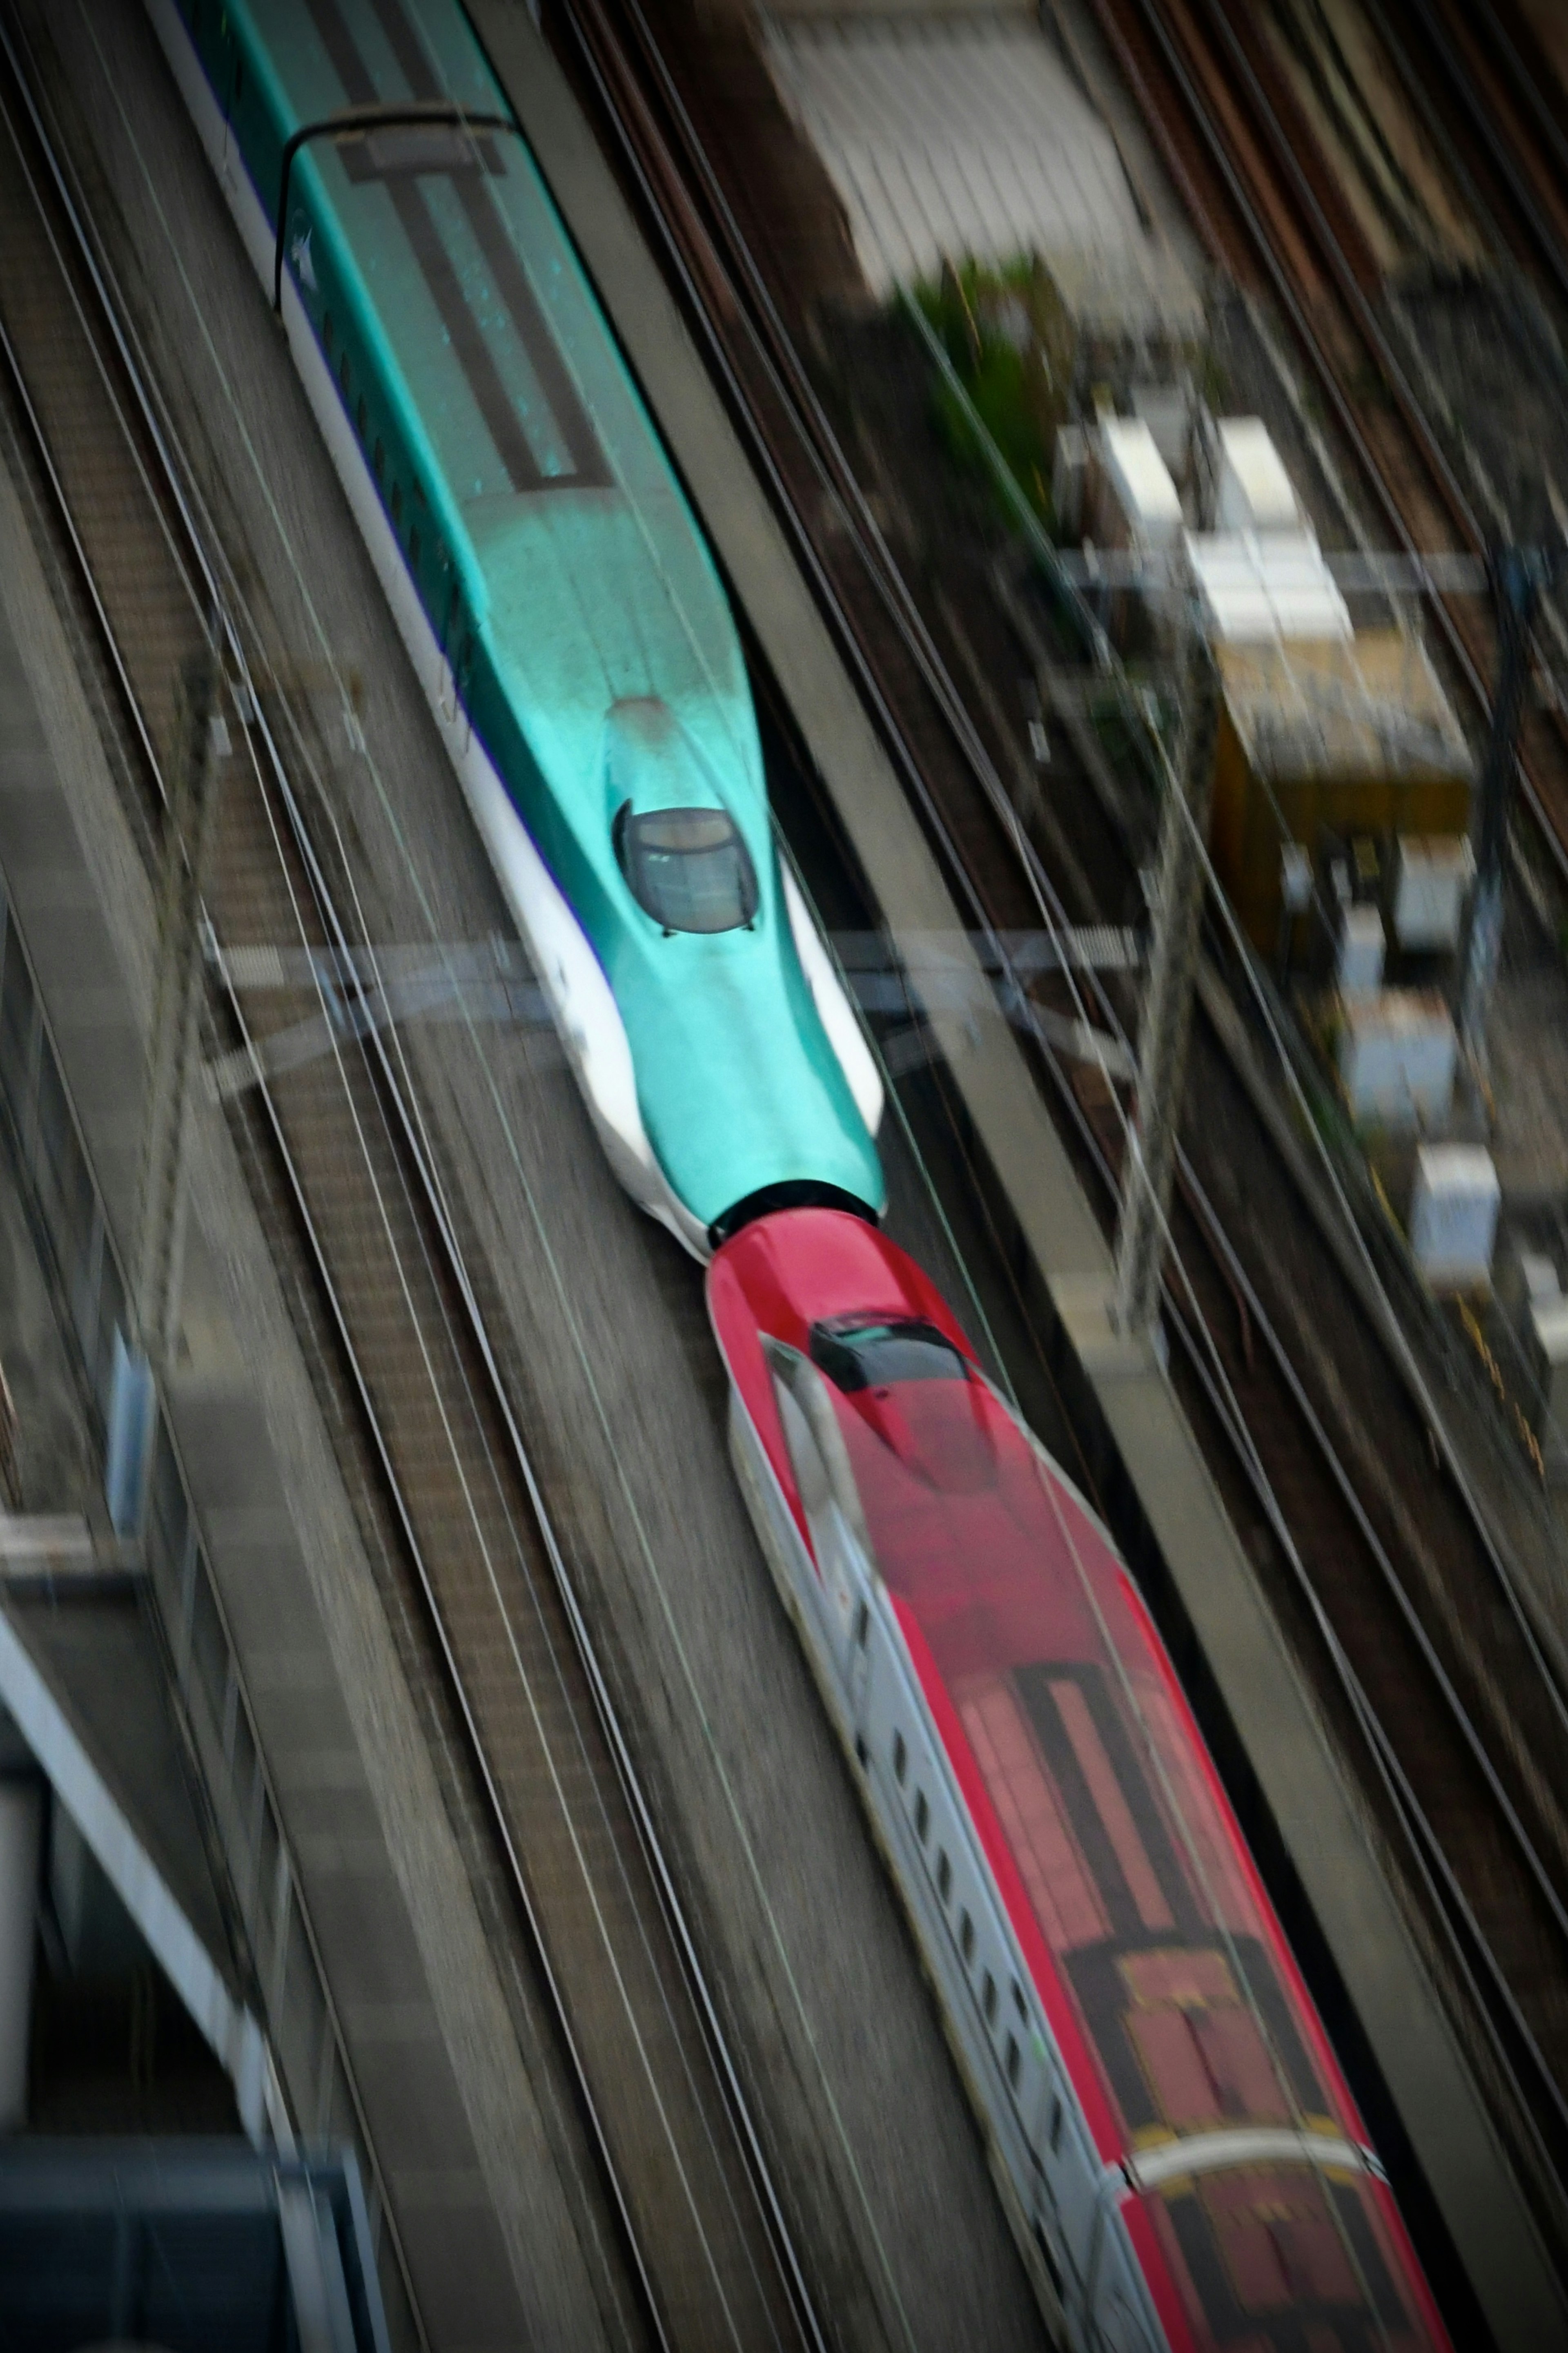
(1178, 2148)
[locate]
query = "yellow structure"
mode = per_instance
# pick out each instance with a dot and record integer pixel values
(1352, 736)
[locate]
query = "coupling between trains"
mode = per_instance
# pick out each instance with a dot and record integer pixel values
(1175, 2141)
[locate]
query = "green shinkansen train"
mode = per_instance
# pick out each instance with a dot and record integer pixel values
(561, 611)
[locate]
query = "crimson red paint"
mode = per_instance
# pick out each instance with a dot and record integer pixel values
(1154, 1953)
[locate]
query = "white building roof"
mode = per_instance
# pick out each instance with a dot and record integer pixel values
(1257, 586)
(1141, 481)
(1466, 1169)
(1255, 491)
(951, 137)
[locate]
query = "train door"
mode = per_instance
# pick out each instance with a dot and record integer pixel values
(453, 675)
(462, 688)
(859, 1664)
(1064, 2199)
(445, 681)
(1057, 2164)
(1117, 2319)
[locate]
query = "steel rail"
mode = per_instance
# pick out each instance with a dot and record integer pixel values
(1468, 1939)
(832, 468)
(416, 1145)
(248, 715)
(319, 1257)
(1351, 294)
(1236, 1273)
(1499, 148)
(1152, 10)
(1482, 210)
(1529, 89)
(1307, 336)
(24, 400)
(133, 715)
(199, 536)
(899, 598)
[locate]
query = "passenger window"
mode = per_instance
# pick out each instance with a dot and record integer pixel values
(1056, 2124)
(988, 1999)
(966, 1938)
(396, 505)
(922, 1817)
(1019, 2004)
(1012, 2064)
(901, 1759)
(687, 868)
(361, 418)
(944, 1875)
(862, 1623)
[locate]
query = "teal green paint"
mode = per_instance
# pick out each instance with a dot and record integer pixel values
(567, 601)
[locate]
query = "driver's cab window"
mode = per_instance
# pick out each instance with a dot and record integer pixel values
(680, 852)
(687, 868)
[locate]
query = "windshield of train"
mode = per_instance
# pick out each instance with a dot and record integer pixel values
(876, 1355)
(687, 868)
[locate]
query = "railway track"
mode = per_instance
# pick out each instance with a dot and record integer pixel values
(1387, 1578)
(392, 1308)
(1482, 87)
(1479, 87)
(1268, 207)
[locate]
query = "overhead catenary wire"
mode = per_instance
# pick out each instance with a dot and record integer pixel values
(202, 541)
(1136, 713)
(836, 472)
(701, 1717)
(908, 764)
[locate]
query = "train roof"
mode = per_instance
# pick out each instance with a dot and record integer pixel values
(1193, 2045)
(559, 567)
(513, 390)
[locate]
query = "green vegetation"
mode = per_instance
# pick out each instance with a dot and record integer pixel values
(1011, 342)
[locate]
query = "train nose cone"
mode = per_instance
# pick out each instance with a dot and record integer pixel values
(739, 1087)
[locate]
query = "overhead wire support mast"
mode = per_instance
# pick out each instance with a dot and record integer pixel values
(1144, 1222)
(1519, 575)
